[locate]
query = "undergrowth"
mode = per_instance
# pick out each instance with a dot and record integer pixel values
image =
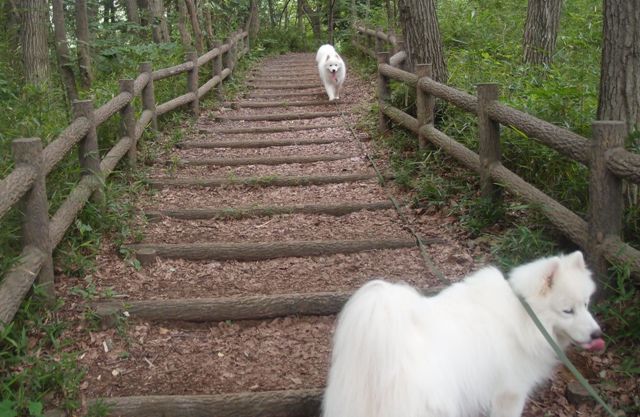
(482, 41)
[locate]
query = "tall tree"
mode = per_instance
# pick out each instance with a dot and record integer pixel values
(159, 28)
(62, 50)
(195, 24)
(84, 51)
(620, 66)
(330, 19)
(314, 18)
(35, 51)
(541, 31)
(132, 11)
(185, 35)
(253, 22)
(422, 36)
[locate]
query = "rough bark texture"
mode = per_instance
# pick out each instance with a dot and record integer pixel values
(253, 23)
(132, 11)
(35, 53)
(541, 30)
(620, 72)
(159, 28)
(197, 33)
(185, 35)
(62, 50)
(422, 36)
(84, 52)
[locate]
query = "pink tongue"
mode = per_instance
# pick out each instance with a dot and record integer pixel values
(594, 345)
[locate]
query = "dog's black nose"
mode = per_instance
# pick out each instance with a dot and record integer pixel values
(596, 334)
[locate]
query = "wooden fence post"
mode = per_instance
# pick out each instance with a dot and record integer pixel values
(489, 138)
(192, 82)
(378, 42)
(384, 124)
(88, 152)
(35, 223)
(217, 69)
(226, 58)
(606, 204)
(148, 95)
(425, 102)
(128, 123)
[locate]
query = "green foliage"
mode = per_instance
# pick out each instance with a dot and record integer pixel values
(279, 41)
(522, 244)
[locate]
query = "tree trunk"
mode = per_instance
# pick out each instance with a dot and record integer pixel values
(143, 7)
(272, 13)
(109, 11)
(35, 51)
(62, 50)
(330, 19)
(314, 19)
(159, 30)
(541, 31)
(84, 51)
(299, 16)
(620, 66)
(132, 11)
(208, 27)
(197, 33)
(185, 35)
(422, 36)
(253, 23)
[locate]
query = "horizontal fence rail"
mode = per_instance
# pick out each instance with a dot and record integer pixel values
(42, 234)
(604, 154)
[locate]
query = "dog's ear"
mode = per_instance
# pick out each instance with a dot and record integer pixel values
(549, 274)
(577, 259)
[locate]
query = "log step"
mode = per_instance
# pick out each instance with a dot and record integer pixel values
(255, 307)
(244, 212)
(286, 94)
(267, 104)
(271, 181)
(268, 129)
(281, 116)
(257, 143)
(263, 160)
(291, 403)
(259, 251)
(284, 86)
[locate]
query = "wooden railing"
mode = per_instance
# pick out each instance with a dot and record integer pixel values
(41, 234)
(604, 154)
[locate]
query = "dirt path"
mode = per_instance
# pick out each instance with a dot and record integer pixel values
(228, 223)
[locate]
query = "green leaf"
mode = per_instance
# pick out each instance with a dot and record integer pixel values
(6, 409)
(35, 409)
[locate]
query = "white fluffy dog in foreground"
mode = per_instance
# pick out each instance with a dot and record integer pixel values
(332, 70)
(471, 350)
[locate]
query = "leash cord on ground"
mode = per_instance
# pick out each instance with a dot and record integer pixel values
(429, 263)
(436, 271)
(564, 359)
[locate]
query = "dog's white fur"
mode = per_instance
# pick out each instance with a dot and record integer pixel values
(332, 70)
(470, 350)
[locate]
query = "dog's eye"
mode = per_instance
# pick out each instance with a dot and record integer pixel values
(568, 311)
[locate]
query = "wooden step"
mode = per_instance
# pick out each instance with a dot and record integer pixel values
(286, 94)
(284, 86)
(257, 143)
(255, 307)
(244, 212)
(258, 251)
(270, 181)
(293, 403)
(280, 116)
(300, 103)
(268, 129)
(262, 160)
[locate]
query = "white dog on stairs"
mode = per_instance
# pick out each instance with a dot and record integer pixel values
(332, 70)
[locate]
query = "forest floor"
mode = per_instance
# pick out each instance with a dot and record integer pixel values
(135, 355)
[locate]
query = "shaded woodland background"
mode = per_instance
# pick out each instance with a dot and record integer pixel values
(566, 62)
